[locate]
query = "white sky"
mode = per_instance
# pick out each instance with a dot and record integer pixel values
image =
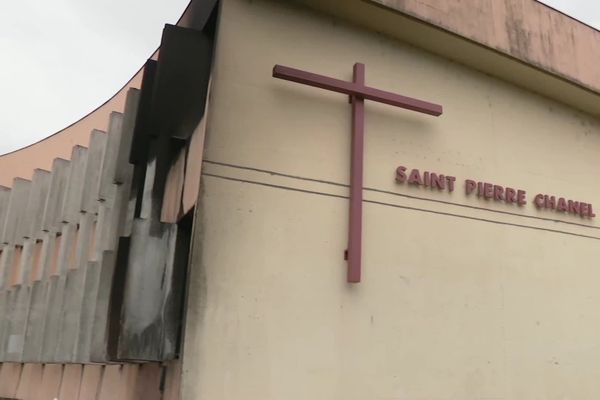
(63, 58)
(60, 59)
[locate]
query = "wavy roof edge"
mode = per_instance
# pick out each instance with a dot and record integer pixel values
(526, 42)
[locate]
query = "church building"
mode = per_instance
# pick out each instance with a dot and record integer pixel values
(318, 199)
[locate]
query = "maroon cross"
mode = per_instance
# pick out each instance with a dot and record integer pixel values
(358, 92)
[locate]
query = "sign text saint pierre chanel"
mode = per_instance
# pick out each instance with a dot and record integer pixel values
(494, 192)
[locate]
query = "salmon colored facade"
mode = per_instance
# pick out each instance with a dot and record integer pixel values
(187, 240)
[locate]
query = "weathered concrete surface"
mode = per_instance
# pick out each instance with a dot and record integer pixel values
(6, 264)
(18, 316)
(85, 240)
(52, 221)
(36, 381)
(15, 211)
(52, 318)
(529, 31)
(4, 199)
(99, 338)
(145, 319)
(67, 248)
(93, 168)
(71, 207)
(286, 277)
(106, 185)
(47, 256)
(87, 316)
(34, 334)
(34, 212)
(172, 208)
(4, 320)
(70, 316)
(124, 169)
(148, 383)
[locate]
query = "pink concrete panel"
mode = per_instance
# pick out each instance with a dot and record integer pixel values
(91, 250)
(71, 382)
(10, 374)
(111, 385)
(90, 382)
(171, 207)
(193, 167)
(524, 29)
(129, 377)
(31, 380)
(51, 380)
(172, 380)
(72, 258)
(148, 382)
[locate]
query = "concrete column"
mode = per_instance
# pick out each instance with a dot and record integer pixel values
(4, 200)
(15, 211)
(90, 196)
(99, 337)
(32, 223)
(74, 191)
(52, 219)
(106, 183)
(123, 169)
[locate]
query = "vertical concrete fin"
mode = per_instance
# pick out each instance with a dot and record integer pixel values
(34, 332)
(172, 196)
(23, 272)
(106, 184)
(123, 169)
(32, 223)
(67, 248)
(15, 211)
(83, 242)
(89, 201)
(70, 315)
(4, 200)
(52, 219)
(6, 263)
(99, 338)
(71, 207)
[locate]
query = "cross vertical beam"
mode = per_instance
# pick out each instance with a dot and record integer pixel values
(354, 250)
(358, 92)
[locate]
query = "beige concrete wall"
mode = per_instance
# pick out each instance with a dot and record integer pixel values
(456, 302)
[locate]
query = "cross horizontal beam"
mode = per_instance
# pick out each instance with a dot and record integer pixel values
(353, 89)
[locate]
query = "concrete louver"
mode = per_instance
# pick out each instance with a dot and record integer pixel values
(51, 253)
(63, 265)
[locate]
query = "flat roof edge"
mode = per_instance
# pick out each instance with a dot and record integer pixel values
(527, 30)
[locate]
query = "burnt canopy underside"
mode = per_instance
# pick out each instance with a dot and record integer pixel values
(153, 259)
(93, 267)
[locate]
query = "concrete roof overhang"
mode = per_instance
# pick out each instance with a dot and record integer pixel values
(523, 42)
